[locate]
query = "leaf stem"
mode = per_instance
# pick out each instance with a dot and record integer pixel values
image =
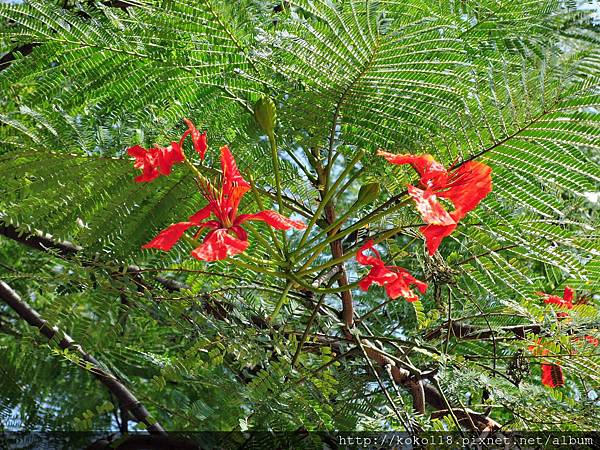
(316, 251)
(332, 262)
(261, 207)
(281, 301)
(327, 198)
(307, 330)
(275, 158)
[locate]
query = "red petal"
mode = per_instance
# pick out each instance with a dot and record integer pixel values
(274, 219)
(421, 286)
(137, 151)
(365, 283)
(427, 167)
(399, 288)
(167, 238)
(168, 156)
(556, 300)
(434, 235)
(568, 294)
(592, 340)
(552, 375)
(231, 173)
(198, 139)
(219, 244)
(379, 275)
(200, 215)
(240, 232)
(468, 185)
(201, 145)
(147, 161)
(396, 282)
(150, 173)
(428, 206)
(365, 260)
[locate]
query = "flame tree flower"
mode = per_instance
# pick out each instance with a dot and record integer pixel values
(155, 161)
(465, 186)
(198, 139)
(552, 374)
(396, 280)
(159, 160)
(565, 302)
(226, 237)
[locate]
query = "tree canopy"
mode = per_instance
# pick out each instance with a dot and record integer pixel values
(387, 215)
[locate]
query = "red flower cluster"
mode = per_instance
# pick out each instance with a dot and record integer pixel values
(396, 280)
(552, 373)
(226, 236)
(464, 186)
(159, 160)
(565, 302)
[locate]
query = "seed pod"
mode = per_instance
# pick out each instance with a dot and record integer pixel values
(368, 193)
(265, 114)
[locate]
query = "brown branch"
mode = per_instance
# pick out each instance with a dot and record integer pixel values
(432, 395)
(66, 250)
(39, 241)
(468, 418)
(126, 399)
(407, 424)
(337, 250)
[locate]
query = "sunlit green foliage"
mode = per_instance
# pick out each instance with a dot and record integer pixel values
(514, 83)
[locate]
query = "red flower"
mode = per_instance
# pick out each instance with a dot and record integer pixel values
(155, 161)
(464, 186)
(396, 280)
(592, 340)
(552, 375)
(226, 236)
(565, 302)
(198, 139)
(159, 160)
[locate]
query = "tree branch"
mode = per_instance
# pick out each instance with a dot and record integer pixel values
(126, 399)
(66, 250)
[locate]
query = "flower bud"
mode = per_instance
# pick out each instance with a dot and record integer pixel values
(368, 194)
(265, 114)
